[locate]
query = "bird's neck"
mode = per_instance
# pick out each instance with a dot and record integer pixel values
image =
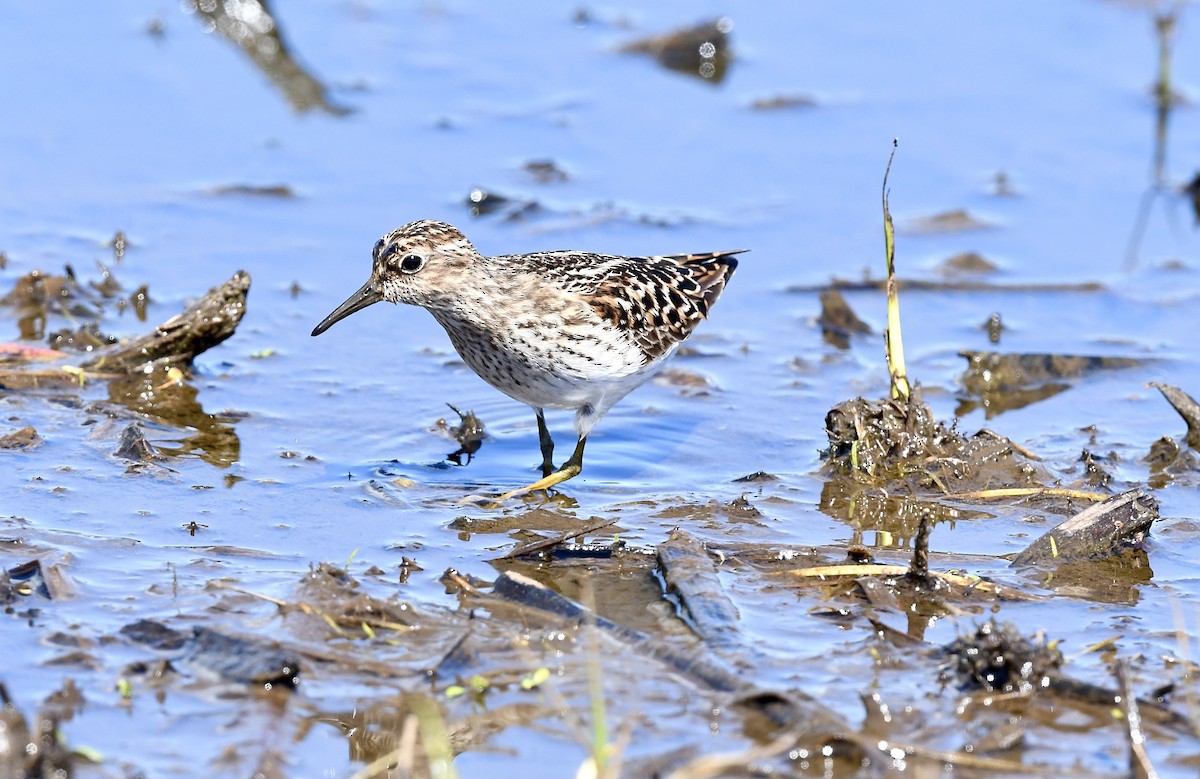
(481, 298)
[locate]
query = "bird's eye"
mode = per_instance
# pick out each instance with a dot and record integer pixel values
(378, 248)
(412, 263)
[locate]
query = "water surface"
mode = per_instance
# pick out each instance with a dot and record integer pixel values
(139, 118)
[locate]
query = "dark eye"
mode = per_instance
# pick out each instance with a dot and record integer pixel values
(412, 263)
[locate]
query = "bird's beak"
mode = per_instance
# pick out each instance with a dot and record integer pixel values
(366, 295)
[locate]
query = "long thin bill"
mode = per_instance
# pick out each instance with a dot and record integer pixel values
(366, 296)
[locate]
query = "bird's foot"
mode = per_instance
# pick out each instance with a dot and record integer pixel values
(482, 501)
(568, 471)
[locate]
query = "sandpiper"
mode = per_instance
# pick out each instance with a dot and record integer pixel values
(562, 329)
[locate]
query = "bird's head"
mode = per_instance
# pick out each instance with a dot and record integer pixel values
(421, 263)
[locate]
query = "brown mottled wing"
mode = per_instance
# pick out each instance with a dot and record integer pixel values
(660, 300)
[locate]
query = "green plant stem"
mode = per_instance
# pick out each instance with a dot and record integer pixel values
(892, 337)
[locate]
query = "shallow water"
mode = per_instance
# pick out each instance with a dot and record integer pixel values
(114, 127)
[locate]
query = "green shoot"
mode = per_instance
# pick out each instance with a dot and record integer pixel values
(892, 337)
(600, 745)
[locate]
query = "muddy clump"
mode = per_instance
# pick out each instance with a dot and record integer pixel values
(997, 658)
(880, 441)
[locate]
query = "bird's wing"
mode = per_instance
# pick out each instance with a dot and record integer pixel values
(659, 301)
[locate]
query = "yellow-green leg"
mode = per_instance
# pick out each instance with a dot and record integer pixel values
(569, 470)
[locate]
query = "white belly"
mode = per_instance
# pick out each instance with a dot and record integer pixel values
(587, 367)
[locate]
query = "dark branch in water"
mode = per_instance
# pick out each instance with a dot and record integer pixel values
(201, 326)
(1098, 531)
(1187, 407)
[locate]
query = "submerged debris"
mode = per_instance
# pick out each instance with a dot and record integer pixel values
(251, 661)
(701, 51)
(779, 102)
(37, 295)
(85, 338)
(1001, 186)
(281, 191)
(24, 439)
(1167, 460)
(139, 300)
(1003, 382)
(38, 288)
(539, 604)
(30, 750)
(913, 589)
(689, 383)
(545, 171)
(966, 264)
(119, 244)
(997, 372)
(953, 221)
(1192, 190)
(997, 658)
(1140, 766)
(484, 202)
(994, 327)
(1093, 472)
(162, 394)
(134, 446)
(149, 374)
(838, 321)
(468, 433)
(542, 546)
(758, 477)
(251, 26)
(691, 576)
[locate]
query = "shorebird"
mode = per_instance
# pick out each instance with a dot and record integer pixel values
(561, 329)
